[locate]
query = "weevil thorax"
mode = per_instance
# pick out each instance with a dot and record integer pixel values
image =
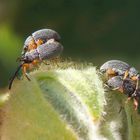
(26, 43)
(30, 56)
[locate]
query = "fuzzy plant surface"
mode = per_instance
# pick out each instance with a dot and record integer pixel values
(66, 101)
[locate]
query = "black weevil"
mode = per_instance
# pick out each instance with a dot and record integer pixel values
(126, 86)
(120, 68)
(42, 45)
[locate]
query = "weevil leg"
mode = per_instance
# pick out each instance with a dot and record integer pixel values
(135, 104)
(106, 87)
(117, 88)
(35, 62)
(32, 45)
(120, 89)
(24, 70)
(125, 75)
(137, 84)
(100, 73)
(39, 42)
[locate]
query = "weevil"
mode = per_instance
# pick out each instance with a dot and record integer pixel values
(126, 86)
(48, 49)
(120, 68)
(39, 37)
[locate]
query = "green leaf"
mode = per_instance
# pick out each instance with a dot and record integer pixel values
(67, 102)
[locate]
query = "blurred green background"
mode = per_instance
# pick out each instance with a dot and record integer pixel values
(91, 30)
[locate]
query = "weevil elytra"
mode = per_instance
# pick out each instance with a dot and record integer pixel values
(42, 45)
(120, 68)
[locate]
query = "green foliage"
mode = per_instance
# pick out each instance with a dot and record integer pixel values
(56, 104)
(10, 46)
(30, 117)
(66, 103)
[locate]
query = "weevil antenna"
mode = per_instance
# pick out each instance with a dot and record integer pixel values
(13, 77)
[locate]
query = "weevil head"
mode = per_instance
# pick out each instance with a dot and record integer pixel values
(29, 45)
(102, 70)
(26, 43)
(129, 87)
(25, 58)
(133, 72)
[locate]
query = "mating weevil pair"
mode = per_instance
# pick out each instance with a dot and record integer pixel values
(41, 45)
(122, 77)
